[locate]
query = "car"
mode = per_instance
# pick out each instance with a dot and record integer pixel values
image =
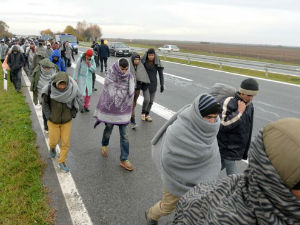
(169, 48)
(119, 49)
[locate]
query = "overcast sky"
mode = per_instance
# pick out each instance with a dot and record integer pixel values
(230, 21)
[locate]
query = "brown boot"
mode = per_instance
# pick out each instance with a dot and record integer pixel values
(126, 165)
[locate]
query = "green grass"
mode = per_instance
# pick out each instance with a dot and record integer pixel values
(219, 55)
(23, 198)
(254, 73)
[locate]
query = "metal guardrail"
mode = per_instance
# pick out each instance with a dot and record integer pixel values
(266, 67)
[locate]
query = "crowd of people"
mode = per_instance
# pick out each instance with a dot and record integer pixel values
(189, 150)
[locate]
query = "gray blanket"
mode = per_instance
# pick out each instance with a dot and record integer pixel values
(186, 151)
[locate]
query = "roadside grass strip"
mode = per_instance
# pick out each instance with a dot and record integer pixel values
(23, 198)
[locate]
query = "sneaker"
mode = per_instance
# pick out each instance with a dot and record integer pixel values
(52, 153)
(149, 220)
(95, 89)
(86, 109)
(126, 165)
(148, 118)
(104, 151)
(143, 117)
(82, 111)
(64, 167)
(46, 130)
(133, 125)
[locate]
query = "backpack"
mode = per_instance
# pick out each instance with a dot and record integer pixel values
(220, 91)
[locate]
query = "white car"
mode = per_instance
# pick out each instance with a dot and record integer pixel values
(169, 48)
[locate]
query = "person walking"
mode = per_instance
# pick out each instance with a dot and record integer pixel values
(266, 193)
(235, 133)
(49, 51)
(186, 152)
(115, 106)
(67, 54)
(153, 66)
(103, 54)
(40, 53)
(41, 77)
(16, 61)
(85, 66)
(3, 50)
(61, 102)
(57, 60)
(142, 82)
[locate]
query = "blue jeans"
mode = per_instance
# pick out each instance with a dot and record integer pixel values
(124, 144)
(230, 166)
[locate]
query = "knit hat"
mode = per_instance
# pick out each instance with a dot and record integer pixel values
(208, 105)
(89, 52)
(249, 87)
(281, 142)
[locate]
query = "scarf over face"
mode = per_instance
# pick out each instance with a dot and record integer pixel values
(186, 151)
(70, 96)
(116, 99)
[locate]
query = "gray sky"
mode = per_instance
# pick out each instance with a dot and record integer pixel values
(230, 21)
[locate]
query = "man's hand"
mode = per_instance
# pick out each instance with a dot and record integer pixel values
(241, 106)
(162, 88)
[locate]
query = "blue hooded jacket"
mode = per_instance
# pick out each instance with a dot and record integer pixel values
(60, 63)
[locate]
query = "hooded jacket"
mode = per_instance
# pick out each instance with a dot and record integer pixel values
(259, 196)
(36, 77)
(60, 63)
(40, 54)
(139, 72)
(15, 61)
(152, 71)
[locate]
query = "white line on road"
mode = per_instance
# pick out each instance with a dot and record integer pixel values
(78, 213)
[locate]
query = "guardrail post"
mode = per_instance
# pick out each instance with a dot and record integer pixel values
(188, 60)
(5, 80)
(266, 69)
(221, 66)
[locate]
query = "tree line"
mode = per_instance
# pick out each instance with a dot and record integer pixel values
(83, 31)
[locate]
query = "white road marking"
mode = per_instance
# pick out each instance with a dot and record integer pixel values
(77, 209)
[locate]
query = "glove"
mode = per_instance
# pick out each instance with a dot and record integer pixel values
(162, 88)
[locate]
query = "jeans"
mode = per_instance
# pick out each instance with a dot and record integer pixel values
(101, 63)
(124, 144)
(230, 166)
(148, 101)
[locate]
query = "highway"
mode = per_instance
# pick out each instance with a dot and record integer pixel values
(238, 63)
(114, 196)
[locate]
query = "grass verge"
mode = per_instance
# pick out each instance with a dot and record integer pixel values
(254, 73)
(23, 198)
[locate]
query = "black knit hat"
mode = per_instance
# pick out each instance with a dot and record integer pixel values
(249, 87)
(208, 105)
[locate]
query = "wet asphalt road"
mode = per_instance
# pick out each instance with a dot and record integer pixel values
(115, 196)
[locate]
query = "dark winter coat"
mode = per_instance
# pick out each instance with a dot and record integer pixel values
(235, 132)
(103, 51)
(15, 61)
